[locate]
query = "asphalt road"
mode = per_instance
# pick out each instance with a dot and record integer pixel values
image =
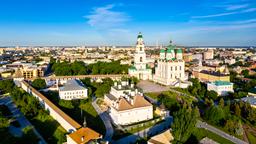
(204, 125)
(106, 120)
(19, 116)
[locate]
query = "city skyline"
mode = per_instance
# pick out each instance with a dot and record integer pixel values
(86, 22)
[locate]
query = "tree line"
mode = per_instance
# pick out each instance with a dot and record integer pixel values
(79, 68)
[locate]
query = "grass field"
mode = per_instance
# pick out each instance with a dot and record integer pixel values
(200, 133)
(49, 128)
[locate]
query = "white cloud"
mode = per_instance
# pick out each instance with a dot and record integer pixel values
(215, 15)
(249, 10)
(106, 17)
(236, 7)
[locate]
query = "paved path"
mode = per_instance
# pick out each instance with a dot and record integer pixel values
(221, 133)
(148, 86)
(154, 130)
(106, 120)
(19, 116)
(183, 94)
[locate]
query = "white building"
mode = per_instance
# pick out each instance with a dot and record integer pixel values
(221, 87)
(127, 105)
(73, 89)
(170, 67)
(209, 54)
(140, 69)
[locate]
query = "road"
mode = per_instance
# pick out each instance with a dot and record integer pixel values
(204, 125)
(154, 130)
(207, 126)
(106, 120)
(19, 116)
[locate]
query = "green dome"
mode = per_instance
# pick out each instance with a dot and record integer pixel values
(169, 50)
(140, 35)
(162, 51)
(179, 50)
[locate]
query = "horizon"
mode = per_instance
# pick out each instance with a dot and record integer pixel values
(77, 23)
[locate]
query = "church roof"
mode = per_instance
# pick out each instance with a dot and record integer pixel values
(162, 50)
(140, 35)
(179, 50)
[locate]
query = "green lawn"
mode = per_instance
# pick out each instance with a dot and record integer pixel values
(251, 138)
(153, 95)
(79, 110)
(200, 133)
(92, 118)
(49, 128)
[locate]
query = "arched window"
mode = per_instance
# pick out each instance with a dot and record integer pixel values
(140, 59)
(140, 48)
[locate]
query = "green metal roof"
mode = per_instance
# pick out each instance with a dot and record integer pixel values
(179, 50)
(133, 68)
(140, 35)
(222, 83)
(162, 51)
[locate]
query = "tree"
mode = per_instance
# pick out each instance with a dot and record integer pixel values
(237, 110)
(184, 123)
(215, 114)
(212, 94)
(234, 126)
(39, 84)
(66, 104)
(245, 73)
(221, 103)
(252, 115)
(6, 86)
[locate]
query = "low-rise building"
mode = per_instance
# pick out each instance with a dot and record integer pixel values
(127, 105)
(83, 136)
(251, 100)
(221, 87)
(208, 54)
(73, 89)
(211, 76)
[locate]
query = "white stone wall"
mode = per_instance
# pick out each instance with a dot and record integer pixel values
(131, 116)
(221, 90)
(57, 116)
(70, 140)
(168, 72)
(75, 94)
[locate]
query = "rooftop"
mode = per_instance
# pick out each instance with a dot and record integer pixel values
(72, 85)
(139, 101)
(213, 73)
(84, 135)
(222, 83)
(250, 99)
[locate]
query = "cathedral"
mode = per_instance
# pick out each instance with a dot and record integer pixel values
(140, 69)
(170, 69)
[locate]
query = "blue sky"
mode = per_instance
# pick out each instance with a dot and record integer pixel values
(117, 22)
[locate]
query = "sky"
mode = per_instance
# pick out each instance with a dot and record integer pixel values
(117, 22)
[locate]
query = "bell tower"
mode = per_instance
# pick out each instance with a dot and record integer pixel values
(140, 55)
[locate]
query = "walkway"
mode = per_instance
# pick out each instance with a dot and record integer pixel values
(183, 94)
(19, 116)
(106, 120)
(221, 133)
(148, 86)
(154, 130)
